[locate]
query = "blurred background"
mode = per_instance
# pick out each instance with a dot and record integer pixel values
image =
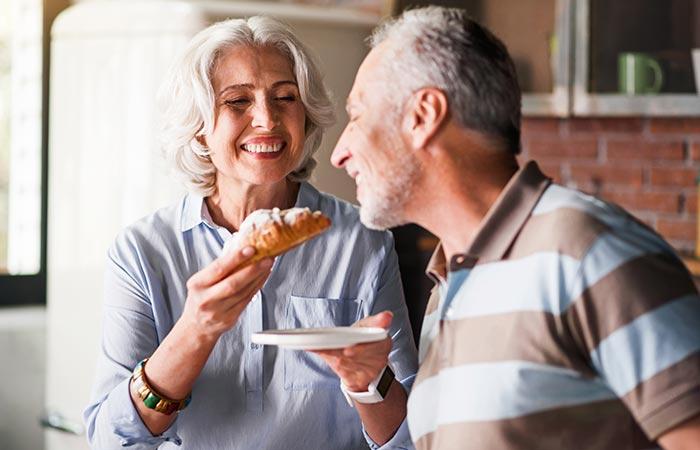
(610, 106)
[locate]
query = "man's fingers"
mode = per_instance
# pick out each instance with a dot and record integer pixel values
(220, 268)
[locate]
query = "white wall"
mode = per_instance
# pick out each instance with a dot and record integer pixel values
(22, 372)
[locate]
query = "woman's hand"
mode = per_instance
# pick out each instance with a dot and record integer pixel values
(217, 294)
(359, 364)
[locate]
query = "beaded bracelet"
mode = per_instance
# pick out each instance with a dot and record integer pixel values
(151, 398)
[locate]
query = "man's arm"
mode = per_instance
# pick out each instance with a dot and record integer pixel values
(685, 436)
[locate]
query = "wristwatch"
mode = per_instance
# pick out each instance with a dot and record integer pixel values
(376, 391)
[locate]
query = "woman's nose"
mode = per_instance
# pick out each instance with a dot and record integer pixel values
(264, 116)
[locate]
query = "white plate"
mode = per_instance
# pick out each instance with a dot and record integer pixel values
(319, 338)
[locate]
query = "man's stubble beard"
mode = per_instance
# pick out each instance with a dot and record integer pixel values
(384, 201)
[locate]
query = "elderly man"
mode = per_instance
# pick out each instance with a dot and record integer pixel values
(558, 320)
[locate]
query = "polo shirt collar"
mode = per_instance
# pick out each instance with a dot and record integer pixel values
(500, 226)
(195, 211)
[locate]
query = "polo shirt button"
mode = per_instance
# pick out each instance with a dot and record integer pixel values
(460, 259)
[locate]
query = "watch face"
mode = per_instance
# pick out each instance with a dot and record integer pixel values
(385, 382)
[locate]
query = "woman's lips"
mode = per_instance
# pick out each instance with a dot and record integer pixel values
(264, 149)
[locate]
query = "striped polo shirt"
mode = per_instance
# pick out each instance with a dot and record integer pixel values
(566, 324)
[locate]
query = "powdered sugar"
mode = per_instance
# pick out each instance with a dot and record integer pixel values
(259, 218)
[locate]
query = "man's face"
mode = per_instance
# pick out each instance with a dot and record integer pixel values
(372, 149)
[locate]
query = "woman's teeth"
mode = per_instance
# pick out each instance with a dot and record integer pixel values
(262, 148)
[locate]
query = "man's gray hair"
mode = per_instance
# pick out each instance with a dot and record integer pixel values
(443, 48)
(188, 102)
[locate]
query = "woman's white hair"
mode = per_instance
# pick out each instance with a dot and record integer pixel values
(188, 104)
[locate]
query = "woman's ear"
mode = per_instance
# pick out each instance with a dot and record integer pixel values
(202, 140)
(427, 113)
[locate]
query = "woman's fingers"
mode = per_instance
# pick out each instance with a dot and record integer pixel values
(220, 268)
(382, 347)
(219, 292)
(242, 297)
(359, 364)
(238, 284)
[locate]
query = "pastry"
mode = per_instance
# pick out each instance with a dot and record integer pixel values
(273, 231)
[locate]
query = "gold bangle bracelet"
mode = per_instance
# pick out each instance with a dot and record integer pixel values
(150, 398)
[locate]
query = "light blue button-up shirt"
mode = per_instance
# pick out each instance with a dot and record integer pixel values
(247, 396)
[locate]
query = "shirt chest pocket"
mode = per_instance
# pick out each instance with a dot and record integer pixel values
(304, 370)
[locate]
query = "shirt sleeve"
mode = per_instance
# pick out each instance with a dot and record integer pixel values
(635, 314)
(129, 335)
(403, 357)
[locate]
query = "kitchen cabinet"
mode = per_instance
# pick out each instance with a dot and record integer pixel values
(635, 58)
(567, 53)
(538, 36)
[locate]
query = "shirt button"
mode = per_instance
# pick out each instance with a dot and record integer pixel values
(460, 259)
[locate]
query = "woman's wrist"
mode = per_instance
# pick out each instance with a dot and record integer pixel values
(196, 335)
(178, 361)
(153, 399)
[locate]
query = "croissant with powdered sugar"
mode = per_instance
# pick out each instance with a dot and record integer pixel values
(273, 231)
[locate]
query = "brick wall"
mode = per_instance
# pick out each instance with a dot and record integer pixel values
(648, 166)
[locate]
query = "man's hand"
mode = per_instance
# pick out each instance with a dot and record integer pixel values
(358, 365)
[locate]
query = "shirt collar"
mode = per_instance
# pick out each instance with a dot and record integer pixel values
(500, 226)
(195, 209)
(192, 212)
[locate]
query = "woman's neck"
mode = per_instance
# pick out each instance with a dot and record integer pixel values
(231, 203)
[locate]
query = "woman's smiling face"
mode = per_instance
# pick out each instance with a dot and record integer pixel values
(258, 135)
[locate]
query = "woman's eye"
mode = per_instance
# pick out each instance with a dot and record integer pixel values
(286, 98)
(237, 102)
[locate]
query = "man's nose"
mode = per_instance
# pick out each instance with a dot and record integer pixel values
(264, 116)
(341, 152)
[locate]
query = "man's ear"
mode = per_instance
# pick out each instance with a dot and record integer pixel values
(427, 112)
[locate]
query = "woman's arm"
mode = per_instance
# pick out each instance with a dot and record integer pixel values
(358, 365)
(216, 296)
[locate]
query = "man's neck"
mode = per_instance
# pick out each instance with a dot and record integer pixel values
(459, 189)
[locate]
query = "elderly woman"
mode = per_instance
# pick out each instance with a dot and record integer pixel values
(246, 110)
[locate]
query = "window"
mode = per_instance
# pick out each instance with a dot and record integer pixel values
(22, 274)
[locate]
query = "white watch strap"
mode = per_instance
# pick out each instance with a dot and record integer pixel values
(368, 397)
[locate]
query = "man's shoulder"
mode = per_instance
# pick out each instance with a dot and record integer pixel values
(572, 222)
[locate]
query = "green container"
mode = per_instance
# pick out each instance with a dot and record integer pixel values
(638, 73)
